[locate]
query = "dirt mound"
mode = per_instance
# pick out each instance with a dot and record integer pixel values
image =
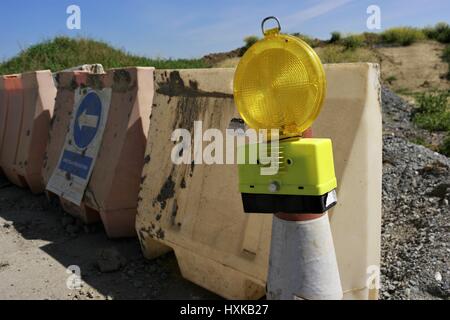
(418, 67)
(214, 59)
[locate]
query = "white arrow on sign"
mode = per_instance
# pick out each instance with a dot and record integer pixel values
(87, 120)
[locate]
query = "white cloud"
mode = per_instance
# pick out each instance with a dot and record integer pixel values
(313, 12)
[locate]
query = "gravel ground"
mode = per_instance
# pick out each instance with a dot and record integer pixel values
(416, 221)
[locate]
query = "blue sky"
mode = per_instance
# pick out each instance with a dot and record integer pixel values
(192, 28)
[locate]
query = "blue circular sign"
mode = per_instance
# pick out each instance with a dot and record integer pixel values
(87, 120)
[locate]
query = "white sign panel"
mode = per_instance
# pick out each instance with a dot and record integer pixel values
(71, 177)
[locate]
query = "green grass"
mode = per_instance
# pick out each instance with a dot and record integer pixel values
(353, 41)
(446, 54)
(421, 141)
(335, 37)
(433, 114)
(338, 54)
(371, 38)
(446, 58)
(63, 52)
(313, 42)
(440, 32)
(403, 36)
(249, 41)
(445, 146)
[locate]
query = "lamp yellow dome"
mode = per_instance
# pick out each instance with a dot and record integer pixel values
(280, 83)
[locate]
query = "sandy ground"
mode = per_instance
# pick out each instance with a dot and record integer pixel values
(418, 67)
(36, 249)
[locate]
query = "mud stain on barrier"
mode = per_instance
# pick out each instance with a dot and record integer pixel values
(122, 81)
(95, 81)
(52, 121)
(57, 76)
(174, 213)
(142, 237)
(167, 192)
(174, 86)
(192, 168)
(74, 84)
(160, 234)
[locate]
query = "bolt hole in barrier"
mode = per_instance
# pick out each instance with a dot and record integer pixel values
(196, 210)
(26, 107)
(97, 142)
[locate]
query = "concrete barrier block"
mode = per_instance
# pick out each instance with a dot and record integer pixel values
(66, 83)
(3, 115)
(39, 94)
(14, 89)
(112, 192)
(196, 210)
(352, 118)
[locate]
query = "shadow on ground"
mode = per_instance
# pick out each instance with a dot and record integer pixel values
(35, 219)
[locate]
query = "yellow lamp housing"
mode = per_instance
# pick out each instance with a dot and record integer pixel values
(305, 181)
(280, 84)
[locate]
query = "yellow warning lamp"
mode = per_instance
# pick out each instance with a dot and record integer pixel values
(280, 84)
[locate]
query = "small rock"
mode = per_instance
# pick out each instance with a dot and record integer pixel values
(79, 223)
(438, 276)
(110, 260)
(73, 229)
(151, 268)
(163, 276)
(67, 220)
(408, 292)
(440, 191)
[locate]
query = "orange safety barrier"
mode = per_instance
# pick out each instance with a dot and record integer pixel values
(112, 190)
(27, 102)
(13, 89)
(39, 94)
(3, 113)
